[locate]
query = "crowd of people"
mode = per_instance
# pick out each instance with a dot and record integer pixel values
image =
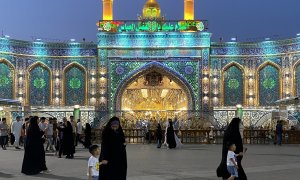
(38, 135)
(108, 161)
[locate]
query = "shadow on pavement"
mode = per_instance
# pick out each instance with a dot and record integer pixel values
(53, 176)
(4, 175)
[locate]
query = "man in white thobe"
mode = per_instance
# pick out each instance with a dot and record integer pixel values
(16, 130)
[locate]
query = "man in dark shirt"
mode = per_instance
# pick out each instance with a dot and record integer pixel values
(279, 132)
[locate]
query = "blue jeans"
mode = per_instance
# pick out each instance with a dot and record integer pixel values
(158, 143)
(94, 178)
(232, 170)
(279, 139)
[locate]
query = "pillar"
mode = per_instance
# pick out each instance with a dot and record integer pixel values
(188, 9)
(107, 10)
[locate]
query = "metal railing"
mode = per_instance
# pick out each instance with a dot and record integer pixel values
(207, 136)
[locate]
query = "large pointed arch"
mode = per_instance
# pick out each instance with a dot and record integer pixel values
(295, 78)
(241, 68)
(158, 67)
(29, 92)
(259, 69)
(12, 70)
(85, 83)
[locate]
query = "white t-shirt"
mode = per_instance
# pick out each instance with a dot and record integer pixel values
(16, 127)
(42, 126)
(94, 163)
(230, 155)
(79, 128)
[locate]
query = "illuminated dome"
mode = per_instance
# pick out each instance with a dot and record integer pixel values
(151, 9)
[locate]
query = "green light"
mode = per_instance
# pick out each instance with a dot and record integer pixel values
(150, 26)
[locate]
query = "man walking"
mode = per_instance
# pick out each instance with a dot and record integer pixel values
(16, 130)
(79, 132)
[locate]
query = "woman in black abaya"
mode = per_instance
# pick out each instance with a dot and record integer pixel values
(34, 156)
(232, 135)
(87, 135)
(171, 136)
(68, 141)
(113, 152)
(158, 135)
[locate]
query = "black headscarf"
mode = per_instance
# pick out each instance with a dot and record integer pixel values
(232, 135)
(113, 150)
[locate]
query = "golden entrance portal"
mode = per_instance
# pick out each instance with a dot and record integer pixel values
(153, 96)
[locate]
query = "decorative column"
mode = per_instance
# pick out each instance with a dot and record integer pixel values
(205, 82)
(287, 80)
(20, 81)
(189, 10)
(250, 84)
(107, 10)
(57, 83)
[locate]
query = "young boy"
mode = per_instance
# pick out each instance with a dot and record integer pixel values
(93, 163)
(232, 166)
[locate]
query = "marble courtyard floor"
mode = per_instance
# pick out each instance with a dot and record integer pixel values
(146, 162)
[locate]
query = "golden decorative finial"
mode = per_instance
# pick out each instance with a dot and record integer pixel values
(151, 9)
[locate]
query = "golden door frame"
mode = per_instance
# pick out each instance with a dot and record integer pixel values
(29, 69)
(260, 67)
(13, 69)
(68, 67)
(294, 84)
(224, 69)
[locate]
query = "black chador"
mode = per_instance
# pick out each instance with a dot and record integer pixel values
(171, 136)
(232, 135)
(113, 150)
(34, 156)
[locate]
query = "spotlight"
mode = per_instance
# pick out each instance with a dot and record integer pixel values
(7, 36)
(38, 39)
(233, 39)
(267, 39)
(72, 40)
(298, 34)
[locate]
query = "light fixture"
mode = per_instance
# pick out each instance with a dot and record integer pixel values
(233, 39)
(144, 93)
(72, 40)
(267, 39)
(164, 93)
(298, 34)
(7, 36)
(239, 106)
(38, 39)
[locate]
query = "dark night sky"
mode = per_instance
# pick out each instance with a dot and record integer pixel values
(66, 19)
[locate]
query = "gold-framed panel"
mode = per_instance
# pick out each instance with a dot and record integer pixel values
(245, 82)
(69, 66)
(158, 68)
(13, 69)
(260, 67)
(29, 69)
(294, 84)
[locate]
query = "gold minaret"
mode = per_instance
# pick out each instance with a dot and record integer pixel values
(188, 9)
(108, 10)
